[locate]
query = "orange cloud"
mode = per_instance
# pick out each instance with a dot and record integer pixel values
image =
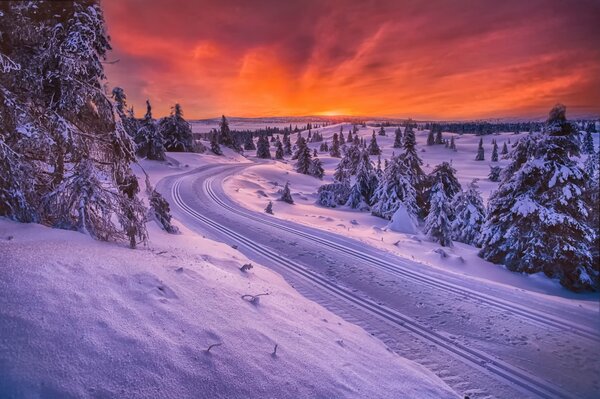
(439, 59)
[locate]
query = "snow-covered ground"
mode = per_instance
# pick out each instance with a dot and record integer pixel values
(81, 318)
(256, 185)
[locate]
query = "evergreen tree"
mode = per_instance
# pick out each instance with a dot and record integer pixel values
(161, 210)
(430, 138)
(381, 131)
(176, 132)
(416, 176)
(469, 215)
(225, 136)
(588, 143)
(537, 216)
(342, 139)
(315, 153)
(286, 194)
(303, 156)
(394, 189)
(316, 168)
(262, 147)
(335, 147)
(398, 138)
(452, 143)
(249, 142)
(495, 173)
(214, 144)
(150, 145)
(504, 149)
(279, 150)
(287, 144)
(269, 208)
(437, 224)
(446, 174)
(373, 146)
(480, 152)
(495, 152)
(438, 137)
(127, 118)
(350, 138)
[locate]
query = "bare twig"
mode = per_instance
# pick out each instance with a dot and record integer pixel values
(274, 354)
(246, 267)
(254, 299)
(212, 346)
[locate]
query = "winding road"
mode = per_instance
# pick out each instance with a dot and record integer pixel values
(483, 340)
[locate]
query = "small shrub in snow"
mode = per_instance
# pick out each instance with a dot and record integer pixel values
(286, 194)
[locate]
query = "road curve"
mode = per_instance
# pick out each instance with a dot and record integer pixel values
(482, 341)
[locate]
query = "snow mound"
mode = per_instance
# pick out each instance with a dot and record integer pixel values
(81, 318)
(402, 222)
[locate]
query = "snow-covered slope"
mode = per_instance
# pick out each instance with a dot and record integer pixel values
(81, 318)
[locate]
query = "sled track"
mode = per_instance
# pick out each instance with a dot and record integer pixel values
(498, 303)
(495, 366)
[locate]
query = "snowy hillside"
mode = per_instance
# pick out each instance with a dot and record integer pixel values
(80, 318)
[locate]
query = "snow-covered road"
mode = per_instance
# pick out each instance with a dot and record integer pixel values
(482, 340)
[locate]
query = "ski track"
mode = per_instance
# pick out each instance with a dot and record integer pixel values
(478, 359)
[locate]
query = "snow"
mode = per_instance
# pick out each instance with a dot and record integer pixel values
(82, 318)
(268, 177)
(402, 222)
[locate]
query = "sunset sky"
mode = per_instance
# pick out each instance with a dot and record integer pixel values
(419, 59)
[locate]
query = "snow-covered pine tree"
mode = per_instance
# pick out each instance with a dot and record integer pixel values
(225, 136)
(286, 194)
(176, 131)
(394, 188)
(304, 159)
(382, 131)
(495, 173)
(278, 150)
(129, 122)
(495, 152)
(437, 224)
(469, 215)
(262, 147)
(215, 147)
(416, 176)
(150, 141)
(315, 153)
(269, 208)
(334, 151)
(373, 146)
(504, 150)
(350, 139)
(342, 139)
(537, 217)
(592, 198)
(59, 126)
(161, 210)
(480, 151)
(316, 168)
(249, 142)
(438, 136)
(398, 138)
(431, 137)
(588, 142)
(445, 174)
(287, 144)
(452, 143)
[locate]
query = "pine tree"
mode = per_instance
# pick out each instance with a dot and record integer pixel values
(452, 144)
(398, 138)
(446, 174)
(176, 132)
(225, 136)
(438, 137)
(416, 176)
(381, 131)
(315, 153)
(495, 173)
(269, 208)
(495, 152)
(350, 139)
(129, 122)
(588, 143)
(249, 142)
(303, 156)
(373, 146)
(214, 144)
(161, 210)
(287, 144)
(469, 215)
(279, 150)
(316, 168)
(262, 148)
(335, 147)
(537, 216)
(286, 194)
(151, 141)
(342, 139)
(394, 189)
(437, 224)
(504, 149)
(430, 137)
(480, 152)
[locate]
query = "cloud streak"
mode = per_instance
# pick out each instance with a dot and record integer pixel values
(435, 59)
